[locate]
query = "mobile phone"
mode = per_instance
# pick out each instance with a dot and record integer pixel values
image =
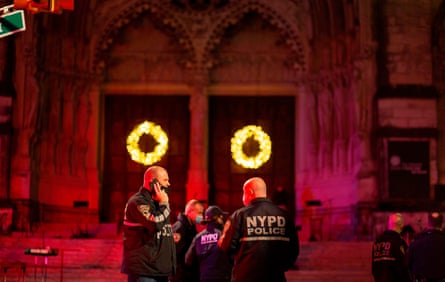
(152, 187)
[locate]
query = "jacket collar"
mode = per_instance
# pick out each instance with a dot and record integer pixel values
(259, 200)
(144, 191)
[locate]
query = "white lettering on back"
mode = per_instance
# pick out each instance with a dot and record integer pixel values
(209, 238)
(271, 225)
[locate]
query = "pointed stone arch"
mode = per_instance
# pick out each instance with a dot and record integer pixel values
(161, 16)
(236, 13)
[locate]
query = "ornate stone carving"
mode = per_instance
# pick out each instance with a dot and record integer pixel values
(333, 117)
(236, 12)
(198, 32)
(128, 13)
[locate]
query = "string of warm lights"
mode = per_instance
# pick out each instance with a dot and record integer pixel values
(240, 137)
(158, 134)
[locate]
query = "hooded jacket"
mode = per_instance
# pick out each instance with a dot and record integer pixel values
(149, 249)
(187, 232)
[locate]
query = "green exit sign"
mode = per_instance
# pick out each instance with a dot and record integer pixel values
(12, 23)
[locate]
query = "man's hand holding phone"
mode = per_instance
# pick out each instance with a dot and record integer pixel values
(159, 194)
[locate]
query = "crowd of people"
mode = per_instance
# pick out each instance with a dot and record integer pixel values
(257, 242)
(399, 254)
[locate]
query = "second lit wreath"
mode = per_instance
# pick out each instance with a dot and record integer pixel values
(241, 136)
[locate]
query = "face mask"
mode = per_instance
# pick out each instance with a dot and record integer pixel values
(166, 189)
(198, 219)
(152, 183)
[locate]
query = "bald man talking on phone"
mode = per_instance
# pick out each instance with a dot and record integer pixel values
(149, 250)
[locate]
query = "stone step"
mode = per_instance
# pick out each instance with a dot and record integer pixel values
(99, 259)
(112, 274)
(335, 256)
(331, 276)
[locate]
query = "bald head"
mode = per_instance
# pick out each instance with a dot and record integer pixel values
(157, 172)
(194, 209)
(395, 222)
(254, 188)
(435, 220)
(191, 205)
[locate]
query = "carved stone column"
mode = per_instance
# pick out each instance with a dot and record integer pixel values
(6, 63)
(305, 153)
(197, 183)
(91, 147)
(306, 132)
(365, 91)
(24, 114)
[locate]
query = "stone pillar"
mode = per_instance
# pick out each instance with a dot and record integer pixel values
(305, 153)
(6, 62)
(23, 187)
(92, 149)
(365, 89)
(24, 115)
(197, 183)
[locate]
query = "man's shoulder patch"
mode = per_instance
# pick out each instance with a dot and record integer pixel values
(144, 209)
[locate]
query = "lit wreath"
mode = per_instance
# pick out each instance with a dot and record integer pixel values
(133, 143)
(260, 136)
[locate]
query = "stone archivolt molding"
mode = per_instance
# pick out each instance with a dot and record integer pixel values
(235, 15)
(199, 32)
(162, 15)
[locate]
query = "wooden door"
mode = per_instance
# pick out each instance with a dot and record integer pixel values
(122, 176)
(276, 117)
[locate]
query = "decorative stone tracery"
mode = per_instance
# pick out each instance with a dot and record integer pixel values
(162, 15)
(199, 33)
(237, 12)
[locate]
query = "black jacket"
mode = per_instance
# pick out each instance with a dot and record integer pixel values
(187, 231)
(389, 258)
(149, 249)
(426, 255)
(214, 264)
(263, 240)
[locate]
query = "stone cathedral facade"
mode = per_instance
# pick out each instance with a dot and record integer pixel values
(350, 92)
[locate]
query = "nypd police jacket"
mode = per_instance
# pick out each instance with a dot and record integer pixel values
(263, 240)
